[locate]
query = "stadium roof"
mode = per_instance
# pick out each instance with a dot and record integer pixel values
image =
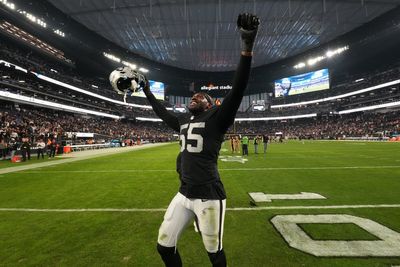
(202, 35)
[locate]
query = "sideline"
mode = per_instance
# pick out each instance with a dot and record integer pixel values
(82, 155)
(230, 209)
(225, 169)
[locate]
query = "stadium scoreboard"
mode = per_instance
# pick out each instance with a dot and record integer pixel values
(302, 83)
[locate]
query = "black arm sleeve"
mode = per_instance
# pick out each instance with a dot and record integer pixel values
(227, 110)
(171, 120)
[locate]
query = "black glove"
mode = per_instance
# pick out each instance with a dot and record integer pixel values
(248, 26)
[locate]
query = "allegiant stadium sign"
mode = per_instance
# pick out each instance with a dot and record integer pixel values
(215, 87)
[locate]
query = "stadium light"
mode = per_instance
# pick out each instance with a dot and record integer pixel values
(328, 54)
(130, 65)
(331, 53)
(35, 20)
(112, 57)
(30, 17)
(39, 21)
(313, 61)
(126, 63)
(10, 5)
(60, 33)
(300, 65)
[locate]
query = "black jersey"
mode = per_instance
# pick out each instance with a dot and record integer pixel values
(201, 137)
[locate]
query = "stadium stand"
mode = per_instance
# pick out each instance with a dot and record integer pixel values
(326, 108)
(363, 125)
(328, 125)
(21, 121)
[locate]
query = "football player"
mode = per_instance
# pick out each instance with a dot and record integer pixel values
(201, 195)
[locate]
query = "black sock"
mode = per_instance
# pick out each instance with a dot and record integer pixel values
(170, 256)
(218, 259)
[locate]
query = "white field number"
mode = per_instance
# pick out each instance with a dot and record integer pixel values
(192, 136)
(262, 197)
(387, 246)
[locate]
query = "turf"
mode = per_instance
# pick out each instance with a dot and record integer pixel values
(7, 163)
(347, 173)
(336, 231)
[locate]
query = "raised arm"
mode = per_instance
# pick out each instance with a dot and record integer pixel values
(248, 27)
(160, 110)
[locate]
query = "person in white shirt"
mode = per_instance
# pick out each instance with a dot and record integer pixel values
(40, 148)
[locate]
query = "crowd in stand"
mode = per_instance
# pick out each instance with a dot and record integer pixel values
(327, 127)
(18, 123)
(24, 126)
(47, 91)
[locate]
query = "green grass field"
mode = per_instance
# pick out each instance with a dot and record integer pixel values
(348, 174)
(7, 163)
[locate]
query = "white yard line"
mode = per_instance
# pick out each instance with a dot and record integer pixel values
(76, 156)
(230, 209)
(222, 169)
(313, 168)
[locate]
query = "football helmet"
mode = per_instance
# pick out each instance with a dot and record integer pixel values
(125, 80)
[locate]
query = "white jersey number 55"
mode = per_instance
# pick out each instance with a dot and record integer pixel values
(192, 136)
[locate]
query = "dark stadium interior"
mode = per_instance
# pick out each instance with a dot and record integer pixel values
(292, 33)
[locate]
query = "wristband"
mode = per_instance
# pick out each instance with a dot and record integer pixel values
(247, 53)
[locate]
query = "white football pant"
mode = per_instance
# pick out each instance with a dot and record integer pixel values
(209, 215)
